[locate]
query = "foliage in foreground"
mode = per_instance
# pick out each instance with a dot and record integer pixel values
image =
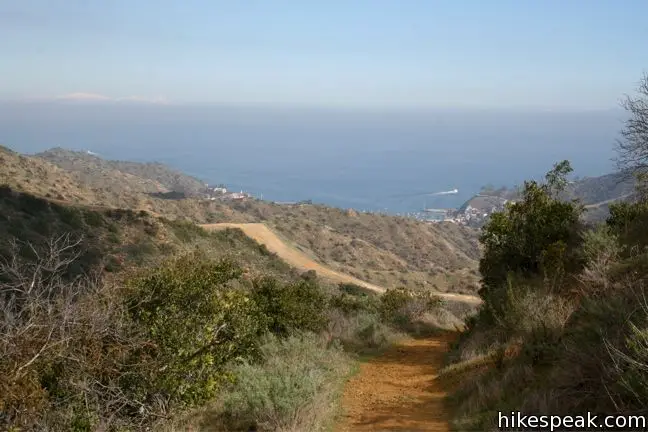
(294, 387)
(83, 354)
(564, 322)
(86, 354)
(197, 323)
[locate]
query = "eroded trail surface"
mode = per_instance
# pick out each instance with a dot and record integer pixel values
(295, 258)
(264, 235)
(398, 390)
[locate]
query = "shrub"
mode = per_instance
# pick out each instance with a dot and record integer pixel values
(294, 388)
(603, 366)
(140, 250)
(631, 365)
(32, 205)
(93, 218)
(628, 222)
(362, 332)
(352, 289)
(64, 345)
(601, 251)
(197, 323)
(187, 231)
(538, 236)
(354, 303)
(70, 216)
(294, 306)
(402, 306)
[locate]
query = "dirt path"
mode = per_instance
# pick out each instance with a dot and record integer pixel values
(295, 258)
(608, 201)
(398, 391)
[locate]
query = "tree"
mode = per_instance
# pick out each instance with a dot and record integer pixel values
(633, 145)
(536, 236)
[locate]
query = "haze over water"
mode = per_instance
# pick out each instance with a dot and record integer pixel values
(363, 160)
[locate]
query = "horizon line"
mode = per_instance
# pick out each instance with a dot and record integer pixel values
(162, 102)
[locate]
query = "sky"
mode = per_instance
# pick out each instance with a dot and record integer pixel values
(549, 54)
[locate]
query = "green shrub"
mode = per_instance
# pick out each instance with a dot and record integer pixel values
(65, 348)
(295, 306)
(628, 221)
(187, 231)
(361, 332)
(401, 306)
(605, 352)
(309, 275)
(139, 251)
(93, 218)
(536, 236)
(70, 216)
(197, 322)
(32, 205)
(352, 303)
(631, 365)
(352, 289)
(294, 388)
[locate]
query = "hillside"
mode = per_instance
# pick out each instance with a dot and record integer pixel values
(380, 249)
(109, 188)
(119, 240)
(153, 177)
(595, 193)
(302, 262)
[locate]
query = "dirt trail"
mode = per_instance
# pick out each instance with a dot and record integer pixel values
(398, 391)
(295, 258)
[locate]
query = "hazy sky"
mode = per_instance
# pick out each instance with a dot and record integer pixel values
(349, 53)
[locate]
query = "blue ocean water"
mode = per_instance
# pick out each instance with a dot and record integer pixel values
(367, 161)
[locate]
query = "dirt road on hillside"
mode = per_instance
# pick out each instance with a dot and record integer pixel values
(398, 391)
(295, 258)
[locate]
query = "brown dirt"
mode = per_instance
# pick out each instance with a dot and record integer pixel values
(398, 391)
(295, 258)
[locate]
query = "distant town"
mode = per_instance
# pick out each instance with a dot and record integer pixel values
(474, 212)
(220, 193)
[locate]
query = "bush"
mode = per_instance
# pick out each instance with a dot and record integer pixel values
(352, 299)
(139, 251)
(352, 289)
(605, 353)
(198, 325)
(70, 216)
(296, 306)
(354, 303)
(64, 345)
(536, 236)
(628, 222)
(601, 251)
(361, 332)
(294, 388)
(187, 231)
(93, 218)
(402, 306)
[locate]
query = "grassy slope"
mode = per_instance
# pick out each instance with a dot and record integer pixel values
(113, 189)
(153, 177)
(385, 250)
(123, 239)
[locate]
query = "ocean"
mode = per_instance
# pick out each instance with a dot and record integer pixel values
(375, 161)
